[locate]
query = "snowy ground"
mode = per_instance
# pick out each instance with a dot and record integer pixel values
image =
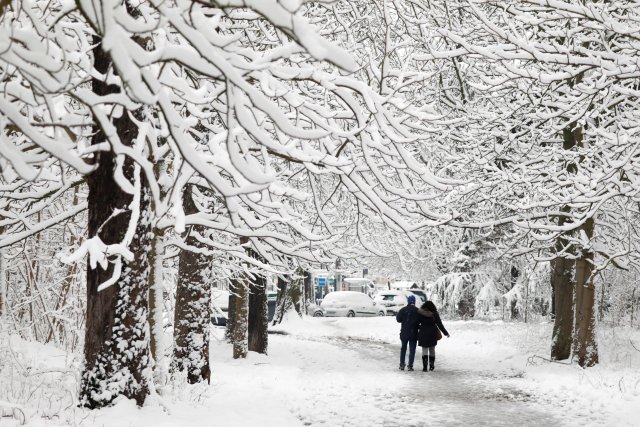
(343, 372)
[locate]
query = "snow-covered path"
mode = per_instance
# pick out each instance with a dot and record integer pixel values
(449, 396)
(487, 374)
(343, 372)
(452, 396)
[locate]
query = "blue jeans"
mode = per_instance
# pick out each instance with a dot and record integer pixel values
(412, 351)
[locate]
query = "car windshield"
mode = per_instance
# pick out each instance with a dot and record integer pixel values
(388, 297)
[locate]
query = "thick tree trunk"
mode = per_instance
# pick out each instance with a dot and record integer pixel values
(240, 318)
(562, 271)
(193, 307)
(258, 316)
(586, 348)
(117, 359)
(231, 309)
(553, 294)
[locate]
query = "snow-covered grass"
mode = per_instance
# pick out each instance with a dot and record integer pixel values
(317, 373)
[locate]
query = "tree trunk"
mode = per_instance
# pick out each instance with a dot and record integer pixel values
(563, 286)
(258, 316)
(117, 359)
(562, 268)
(156, 308)
(156, 295)
(586, 348)
(231, 309)
(281, 302)
(193, 306)
(553, 294)
(601, 306)
(240, 316)
(515, 273)
(296, 292)
(309, 294)
(3, 286)
(633, 304)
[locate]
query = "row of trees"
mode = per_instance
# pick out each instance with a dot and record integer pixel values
(236, 138)
(228, 132)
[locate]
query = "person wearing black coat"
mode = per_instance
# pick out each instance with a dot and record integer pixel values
(428, 333)
(410, 319)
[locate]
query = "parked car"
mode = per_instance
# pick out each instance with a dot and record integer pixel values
(219, 307)
(315, 310)
(393, 301)
(350, 304)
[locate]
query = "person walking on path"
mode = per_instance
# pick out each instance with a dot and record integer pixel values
(428, 334)
(410, 319)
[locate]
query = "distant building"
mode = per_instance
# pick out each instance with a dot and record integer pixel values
(404, 284)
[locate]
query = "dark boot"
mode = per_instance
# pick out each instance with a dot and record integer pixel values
(425, 364)
(402, 367)
(432, 361)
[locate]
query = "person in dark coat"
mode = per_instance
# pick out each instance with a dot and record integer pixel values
(428, 333)
(410, 319)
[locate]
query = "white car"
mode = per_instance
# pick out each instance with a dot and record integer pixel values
(393, 301)
(350, 304)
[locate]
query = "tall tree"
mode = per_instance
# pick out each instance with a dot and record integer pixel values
(117, 296)
(239, 331)
(193, 303)
(563, 288)
(258, 319)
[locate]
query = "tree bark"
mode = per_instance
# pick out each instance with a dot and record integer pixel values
(193, 306)
(515, 273)
(156, 295)
(281, 302)
(240, 316)
(117, 359)
(258, 316)
(231, 309)
(296, 292)
(156, 308)
(562, 271)
(309, 294)
(586, 348)
(3, 285)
